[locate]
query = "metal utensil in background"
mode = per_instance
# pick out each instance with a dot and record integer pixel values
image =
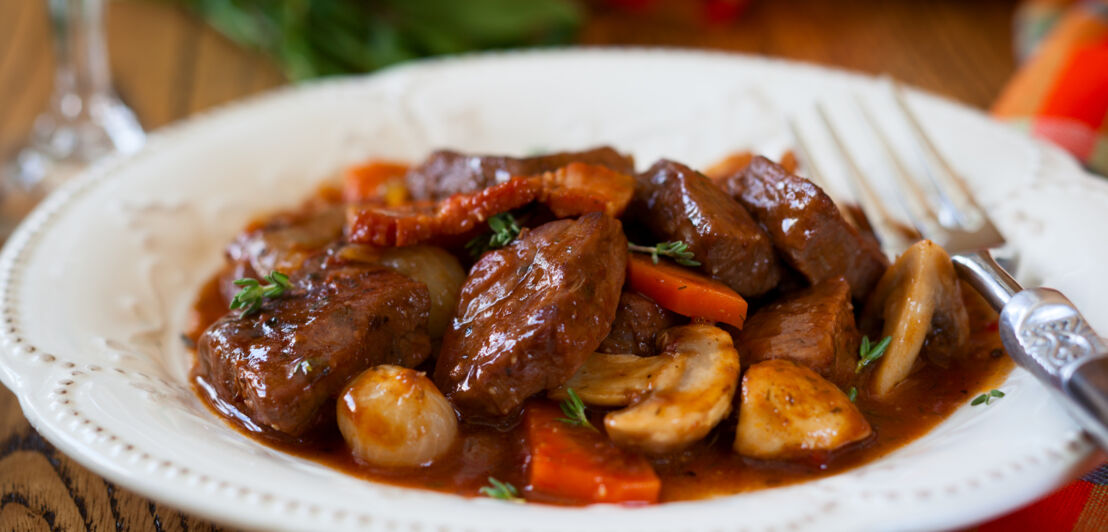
(1040, 328)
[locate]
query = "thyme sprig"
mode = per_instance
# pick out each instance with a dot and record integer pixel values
(504, 229)
(249, 299)
(677, 250)
(987, 397)
(504, 491)
(574, 410)
(868, 353)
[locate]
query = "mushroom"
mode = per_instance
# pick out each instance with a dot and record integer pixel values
(919, 299)
(618, 380)
(788, 411)
(669, 418)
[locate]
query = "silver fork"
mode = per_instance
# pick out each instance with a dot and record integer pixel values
(1039, 327)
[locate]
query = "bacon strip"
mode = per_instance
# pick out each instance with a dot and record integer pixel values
(572, 190)
(579, 188)
(414, 223)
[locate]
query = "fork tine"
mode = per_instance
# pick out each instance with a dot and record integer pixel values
(919, 210)
(947, 205)
(986, 231)
(893, 235)
(816, 175)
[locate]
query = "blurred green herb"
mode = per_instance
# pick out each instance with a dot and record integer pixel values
(574, 409)
(504, 228)
(312, 38)
(853, 394)
(504, 491)
(987, 397)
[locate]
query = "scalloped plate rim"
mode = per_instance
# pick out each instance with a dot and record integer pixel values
(57, 203)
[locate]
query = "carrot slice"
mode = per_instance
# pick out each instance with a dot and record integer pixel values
(729, 165)
(374, 180)
(685, 291)
(580, 465)
(789, 161)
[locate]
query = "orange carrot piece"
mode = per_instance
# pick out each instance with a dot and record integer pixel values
(789, 161)
(367, 181)
(577, 464)
(685, 291)
(729, 165)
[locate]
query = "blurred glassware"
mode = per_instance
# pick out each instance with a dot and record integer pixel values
(84, 121)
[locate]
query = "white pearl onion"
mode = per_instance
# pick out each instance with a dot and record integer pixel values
(396, 417)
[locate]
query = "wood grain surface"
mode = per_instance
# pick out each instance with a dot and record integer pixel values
(167, 65)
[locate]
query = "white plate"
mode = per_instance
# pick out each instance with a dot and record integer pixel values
(96, 284)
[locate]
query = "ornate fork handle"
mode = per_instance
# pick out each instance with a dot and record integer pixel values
(1046, 335)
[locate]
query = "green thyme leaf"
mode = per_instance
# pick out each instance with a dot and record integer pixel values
(868, 353)
(574, 409)
(678, 251)
(249, 299)
(504, 491)
(853, 394)
(504, 228)
(987, 397)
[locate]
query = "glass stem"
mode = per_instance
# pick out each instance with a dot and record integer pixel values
(82, 74)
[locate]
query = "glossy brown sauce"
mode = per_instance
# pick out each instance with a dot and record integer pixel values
(710, 467)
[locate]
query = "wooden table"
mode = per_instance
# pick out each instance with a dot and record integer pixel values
(168, 65)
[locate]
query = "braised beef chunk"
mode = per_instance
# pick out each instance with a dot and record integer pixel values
(446, 172)
(531, 313)
(638, 320)
(806, 227)
(283, 241)
(813, 327)
(283, 365)
(677, 203)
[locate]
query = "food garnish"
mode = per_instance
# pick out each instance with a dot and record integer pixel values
(504, 491)
(987, 397)
(249, 299)
(677, 250)
(868, 353)
(852, 394)
(574, 409)
(505, 229)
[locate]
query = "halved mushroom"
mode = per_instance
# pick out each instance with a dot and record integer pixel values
(919, 299)
(670, 419)
(618, 380)
(788, 412)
